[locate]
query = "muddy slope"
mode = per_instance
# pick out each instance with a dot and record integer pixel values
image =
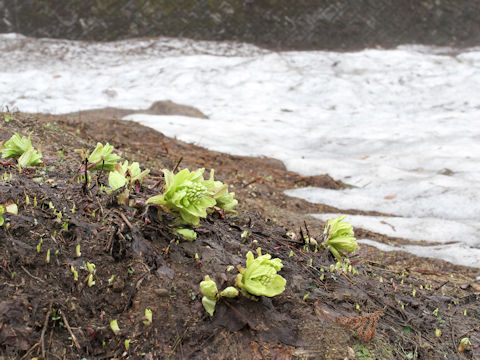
(322, 314)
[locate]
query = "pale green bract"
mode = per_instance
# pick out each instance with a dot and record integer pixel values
(124, 174)
(21, 147)
(187, 234)
(10, 208)
(223, 198)
(260, 275)
(210, 294)
(186, 194)
(339, 237)
(103, 158)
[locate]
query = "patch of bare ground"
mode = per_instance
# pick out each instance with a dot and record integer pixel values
(389, 310)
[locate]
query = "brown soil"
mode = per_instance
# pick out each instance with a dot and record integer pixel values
(44, 313)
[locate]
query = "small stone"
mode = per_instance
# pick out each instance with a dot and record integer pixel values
(162, 292)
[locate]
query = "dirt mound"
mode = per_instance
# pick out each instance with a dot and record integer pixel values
(391, 309)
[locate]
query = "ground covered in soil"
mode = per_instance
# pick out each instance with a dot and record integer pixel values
(396, 307)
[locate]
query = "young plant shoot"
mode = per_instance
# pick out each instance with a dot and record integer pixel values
(103, 158)
(21, 148)
(210, 293)
(339, 237)
(128, 176)
(10, 208)
(190, 195)
(260, 276)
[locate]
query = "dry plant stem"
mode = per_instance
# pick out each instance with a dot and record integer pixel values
(44, 330)
(177, 164)
(30, 351)
(32, 276)
(124, 218)
(74, 338)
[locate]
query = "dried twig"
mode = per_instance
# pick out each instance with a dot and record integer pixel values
(177, 164)
(44, 330)
(74, 338)
(32, 276)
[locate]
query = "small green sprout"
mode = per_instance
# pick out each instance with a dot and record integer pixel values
(260, 276)
(39, 245)
(230, 268)
(21, 148)
(147, 319)
(339, 237)
(465, 344)
(438, 333)
(186, 234)
(229, 292)
(78, 253)
(127, 344)
(435, 312)
(103, 158)
(114, 327)
(74, 272)
(111, 279)
(47, 259)
(90, 267)
(90, 281)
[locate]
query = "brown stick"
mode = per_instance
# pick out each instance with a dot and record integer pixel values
(74, 338)
(44, 330)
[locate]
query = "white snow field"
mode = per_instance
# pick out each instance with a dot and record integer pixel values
(401, 126)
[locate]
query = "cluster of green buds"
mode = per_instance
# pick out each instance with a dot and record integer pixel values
(21, 148)
(345, 266)
(339, 237)
(189, 195)
(10, 208)
(211, 295)
(260, 275)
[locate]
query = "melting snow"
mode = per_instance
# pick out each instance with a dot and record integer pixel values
(401, 126)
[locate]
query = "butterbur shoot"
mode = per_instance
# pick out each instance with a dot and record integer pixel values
(465, 344)
(147, 319)
(10, 208)
(187, 234)
(339, 237)
(186, 195)
(124, 174)
(224, 199)
(21, 148)
(210, 294)
(103, 158)
(114, 327)
(189, 195)
(74, 272)
(260, 276)
(90, 281)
